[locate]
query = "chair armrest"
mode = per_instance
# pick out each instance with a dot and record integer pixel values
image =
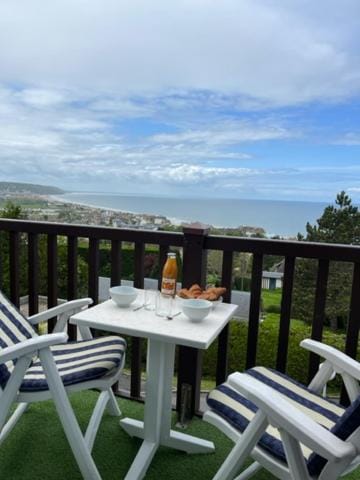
(32, 345)
(283, 415)
(338, 360)
(73, 305)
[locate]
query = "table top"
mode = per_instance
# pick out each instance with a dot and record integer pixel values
(146, 324)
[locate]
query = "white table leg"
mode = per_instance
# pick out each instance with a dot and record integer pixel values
(135, 428)
(188, 443)
(156, 428)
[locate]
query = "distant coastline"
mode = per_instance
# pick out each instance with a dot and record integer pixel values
(249, 217)
(60, 199)
(275, 217)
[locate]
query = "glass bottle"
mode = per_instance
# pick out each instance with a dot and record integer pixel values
(169, 275)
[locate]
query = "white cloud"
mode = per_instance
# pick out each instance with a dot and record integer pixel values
(41, 98)
(349, 138)
(272, 52)
(227, 134)
(195, 174)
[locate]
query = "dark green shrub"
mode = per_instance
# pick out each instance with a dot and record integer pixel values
(298, 358)
(242, 283)
(273, 309)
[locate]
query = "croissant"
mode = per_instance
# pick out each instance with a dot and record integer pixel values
(195, 291)
(220, 291)
(184, 293)
(208, 296)
(195, 287)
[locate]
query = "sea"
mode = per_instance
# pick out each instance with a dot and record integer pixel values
(276, 217)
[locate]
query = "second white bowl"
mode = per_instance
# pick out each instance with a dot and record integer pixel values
(196, 309)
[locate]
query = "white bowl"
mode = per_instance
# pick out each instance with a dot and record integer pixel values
(123, 296)
(214, 303)
(196, 309)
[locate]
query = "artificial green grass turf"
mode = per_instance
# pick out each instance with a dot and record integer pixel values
(37, 447)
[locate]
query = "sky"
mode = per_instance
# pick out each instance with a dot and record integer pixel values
(233, 98)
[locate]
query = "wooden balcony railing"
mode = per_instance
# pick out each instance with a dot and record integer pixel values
(194, 243)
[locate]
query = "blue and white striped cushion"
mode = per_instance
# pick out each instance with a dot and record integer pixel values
(239, 412)
(78, 362)
(14, 328)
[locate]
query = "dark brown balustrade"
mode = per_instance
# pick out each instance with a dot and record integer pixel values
(194, 243)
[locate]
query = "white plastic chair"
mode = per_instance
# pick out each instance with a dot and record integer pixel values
(287, 428)
(34, 368)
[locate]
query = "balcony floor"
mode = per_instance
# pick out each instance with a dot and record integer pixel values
(37, 447)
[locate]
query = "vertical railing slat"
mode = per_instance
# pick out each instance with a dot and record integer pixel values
(52, 266)
(254, 313)
(115, 262)
(72, 278)
(285, 314)
(319, 313)
(223, 341)
(3, 235)
(353, 326)
(135, 383)
(93, 286)
(72, 266)
(14, 268)
(33, 273)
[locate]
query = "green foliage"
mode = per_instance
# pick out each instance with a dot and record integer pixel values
(11, 210)
(242, 283)
(298, 358)
(151, 266)
(15, 187)
(338, 224)
(273, 309)
(271, 298)
(271, 260)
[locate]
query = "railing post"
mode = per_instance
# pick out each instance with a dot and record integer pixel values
(194, 271)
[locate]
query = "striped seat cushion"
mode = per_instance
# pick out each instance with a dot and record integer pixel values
(14, 328)
(78, 362)
(238, 411)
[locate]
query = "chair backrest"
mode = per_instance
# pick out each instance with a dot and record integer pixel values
(14, 328)
(347, 424)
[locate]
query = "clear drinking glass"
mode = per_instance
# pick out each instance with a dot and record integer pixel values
(150, 298)
(164, 304)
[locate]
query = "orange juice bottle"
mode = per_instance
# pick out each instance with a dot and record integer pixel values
(169, 275)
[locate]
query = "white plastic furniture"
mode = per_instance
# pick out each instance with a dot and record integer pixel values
(163, 335)
(296, 427)
(40, 346)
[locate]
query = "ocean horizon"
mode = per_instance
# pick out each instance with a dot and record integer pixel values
(276, 217)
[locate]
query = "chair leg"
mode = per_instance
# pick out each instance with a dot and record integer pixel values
(10, 424)
(249, 472)
(243, 447)
(106, 399)
(113, 406)
(95, 419)
(67, 417)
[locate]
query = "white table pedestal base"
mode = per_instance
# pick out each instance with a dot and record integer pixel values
(156, 428)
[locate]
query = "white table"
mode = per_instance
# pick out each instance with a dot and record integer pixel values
(163, 335)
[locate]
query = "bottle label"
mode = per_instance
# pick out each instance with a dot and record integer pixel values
(168, 286)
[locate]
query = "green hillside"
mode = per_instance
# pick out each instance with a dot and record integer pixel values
(16, 187)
